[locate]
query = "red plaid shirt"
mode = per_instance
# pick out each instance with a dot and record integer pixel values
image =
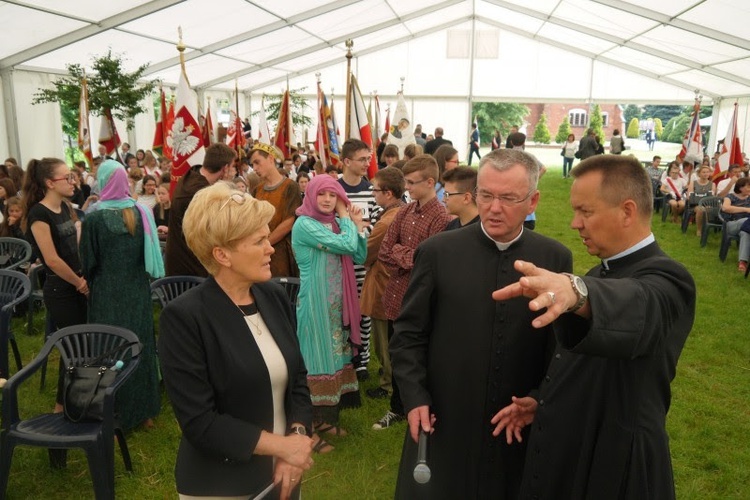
(412, 225)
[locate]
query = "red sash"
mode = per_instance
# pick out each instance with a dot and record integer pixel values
(674, 189)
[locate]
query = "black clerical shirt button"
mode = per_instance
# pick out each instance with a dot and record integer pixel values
(557, 356)
(541, 402)
(547, 379)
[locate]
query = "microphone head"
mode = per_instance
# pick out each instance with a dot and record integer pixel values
(422, 473)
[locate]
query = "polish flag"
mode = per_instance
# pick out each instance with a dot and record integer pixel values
(359, 125)
(184, 136)
(730, 151)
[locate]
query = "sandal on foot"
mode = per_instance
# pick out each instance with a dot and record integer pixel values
(322, 446)
(330, 429)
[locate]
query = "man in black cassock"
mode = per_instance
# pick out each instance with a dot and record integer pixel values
(598, 420)
(457, 354)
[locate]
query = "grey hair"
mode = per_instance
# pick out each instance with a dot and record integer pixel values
(504, 159)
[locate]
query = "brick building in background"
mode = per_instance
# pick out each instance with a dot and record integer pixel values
(578, 115)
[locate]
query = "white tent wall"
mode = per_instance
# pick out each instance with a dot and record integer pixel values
(39, 126)
(4, 137)
(722, 114)
(144, 125)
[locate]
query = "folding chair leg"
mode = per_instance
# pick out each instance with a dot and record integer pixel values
(99, 467)
(6, 456)
(16, 354)
(124, 449)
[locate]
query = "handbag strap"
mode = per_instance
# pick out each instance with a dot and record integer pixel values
(107, 354)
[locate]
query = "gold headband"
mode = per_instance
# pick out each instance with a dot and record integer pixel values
(268, 149)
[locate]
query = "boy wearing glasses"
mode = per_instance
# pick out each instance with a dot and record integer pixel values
(355, 158)
(417, 221)
(459, 196)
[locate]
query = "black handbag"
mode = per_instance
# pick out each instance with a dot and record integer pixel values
(84, 387)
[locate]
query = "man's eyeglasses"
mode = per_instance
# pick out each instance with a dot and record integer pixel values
(364, 159)
(447, 195)
(486, 198)
(238, 198)
(410, 182)
(378, 190)
(70, 178)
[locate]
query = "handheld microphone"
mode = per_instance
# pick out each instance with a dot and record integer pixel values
(422, 472)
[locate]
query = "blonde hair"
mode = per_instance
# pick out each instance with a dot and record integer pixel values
(213, 219)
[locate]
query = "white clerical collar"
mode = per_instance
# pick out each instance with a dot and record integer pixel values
(502, 246)
(641, 244)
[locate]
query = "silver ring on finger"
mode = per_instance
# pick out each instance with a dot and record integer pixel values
(551, 297)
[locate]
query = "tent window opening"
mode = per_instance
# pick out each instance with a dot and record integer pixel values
(578, 118)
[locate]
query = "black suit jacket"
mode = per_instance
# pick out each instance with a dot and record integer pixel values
(434, 144)
(220, 388)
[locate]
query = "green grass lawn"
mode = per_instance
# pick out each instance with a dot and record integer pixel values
(708, 423)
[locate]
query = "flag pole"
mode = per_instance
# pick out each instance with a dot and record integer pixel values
(181, 49)
(237, 123)
(349, 45)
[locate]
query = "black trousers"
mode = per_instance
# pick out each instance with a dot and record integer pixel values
(397, 406)
(66, 307)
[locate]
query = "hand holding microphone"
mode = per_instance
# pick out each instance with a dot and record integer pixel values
(422, 473)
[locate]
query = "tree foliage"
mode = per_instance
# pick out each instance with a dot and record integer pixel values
(631, 111)
(634, 128)
(541, 131)
(563, 131)
(658, 128)
(109, 87)
(497, 115)
(664, 113)
(597, 122)
(298, 104)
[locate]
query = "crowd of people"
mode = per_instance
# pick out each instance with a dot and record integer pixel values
(485, 340)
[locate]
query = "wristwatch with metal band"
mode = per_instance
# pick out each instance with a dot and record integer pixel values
(580, 289)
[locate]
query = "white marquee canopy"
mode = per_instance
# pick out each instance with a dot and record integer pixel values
(449, 52)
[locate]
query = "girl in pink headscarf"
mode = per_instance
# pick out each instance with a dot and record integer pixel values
(327, 238)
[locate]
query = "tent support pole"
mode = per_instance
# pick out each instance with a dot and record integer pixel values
(472, 48)
(11, 113)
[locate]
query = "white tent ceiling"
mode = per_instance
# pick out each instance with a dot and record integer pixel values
(544, 51)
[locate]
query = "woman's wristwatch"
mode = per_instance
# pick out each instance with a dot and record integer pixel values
(298, 429)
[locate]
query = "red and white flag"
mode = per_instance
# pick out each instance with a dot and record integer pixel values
(264, 133)
(730, 151)
(207, 132)
(387, 126)
(84, 131)
(359, 124)
(692, 143)
(108, 136)
(159, 135)
(184, 136)
(235, 136)
(284, 137)
(377, 131)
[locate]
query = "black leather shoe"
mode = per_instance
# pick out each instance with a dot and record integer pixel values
(377, 393)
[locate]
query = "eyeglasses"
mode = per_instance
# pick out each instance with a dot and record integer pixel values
(410, 182)
(364, 159)
(70, 178)
(486, 198)
(451, 161)
(238, 198)
(378, 190)
(447, 195)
